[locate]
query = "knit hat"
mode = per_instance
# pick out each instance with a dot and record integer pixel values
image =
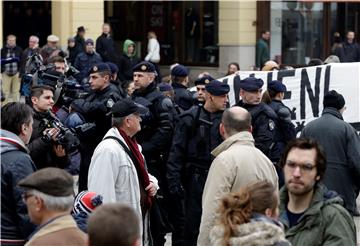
(86, 201)
(334, 100)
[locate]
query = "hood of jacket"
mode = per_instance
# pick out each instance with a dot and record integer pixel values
(10, 142)
(253, 233)
(244, 137)
(126, 45)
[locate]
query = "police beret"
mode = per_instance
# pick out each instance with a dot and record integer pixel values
(126, 107)
(113, 67)
(251, 84)
(277, 86)
(51, 181)
(165, 87)
(217, 88)
(179, 71)
(204, 80)
(52, 38)
(89, 41)
(144, 67)
(334, 100)
(99, 67)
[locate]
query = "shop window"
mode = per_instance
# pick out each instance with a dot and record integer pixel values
(187, 31)
(296, 31)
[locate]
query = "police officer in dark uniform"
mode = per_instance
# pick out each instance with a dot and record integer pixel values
(264, 118)
(156, 133)
(200, 88)
(285, 130)
(196, 135)
(179, 78)
(94, 108)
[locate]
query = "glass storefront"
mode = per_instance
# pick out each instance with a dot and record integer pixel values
(296, 31)
(187, 30)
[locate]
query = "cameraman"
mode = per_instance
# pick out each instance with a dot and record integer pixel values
(44, 150)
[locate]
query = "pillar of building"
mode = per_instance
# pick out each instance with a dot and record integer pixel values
(67, 16)
(237, 33)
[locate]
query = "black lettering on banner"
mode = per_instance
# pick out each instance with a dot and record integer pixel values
(236, 85)
(314, 99)
(327, 79)
(269, 77)
(252, 75)
(286, 73)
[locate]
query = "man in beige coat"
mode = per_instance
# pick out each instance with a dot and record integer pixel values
(237, 163)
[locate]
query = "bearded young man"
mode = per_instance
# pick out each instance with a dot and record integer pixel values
(311, 214)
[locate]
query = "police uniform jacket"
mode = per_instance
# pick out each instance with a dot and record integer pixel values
(157, 125)
(264, 123)
(196, 135)
(94, 108)
(285, 130)
(183, 97)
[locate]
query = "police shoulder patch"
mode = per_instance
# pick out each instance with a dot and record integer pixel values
(271, 125)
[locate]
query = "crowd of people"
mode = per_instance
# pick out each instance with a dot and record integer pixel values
(134, 158)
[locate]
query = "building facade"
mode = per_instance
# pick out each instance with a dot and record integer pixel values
(205, 35)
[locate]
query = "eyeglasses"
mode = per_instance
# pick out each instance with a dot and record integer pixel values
(26, 196)
(304, 168)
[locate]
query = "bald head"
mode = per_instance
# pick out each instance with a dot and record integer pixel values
(235, 120)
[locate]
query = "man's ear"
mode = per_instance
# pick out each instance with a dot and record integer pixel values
(222, 130)
(34, 100)
(317, 178)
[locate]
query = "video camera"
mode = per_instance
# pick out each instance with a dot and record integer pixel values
(69, 138)
(66, 136)
(69, 88)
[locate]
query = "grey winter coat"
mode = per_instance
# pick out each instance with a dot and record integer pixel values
(342, 148)
(16, 164)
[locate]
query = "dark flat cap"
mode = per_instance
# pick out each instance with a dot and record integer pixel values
(126, 107)
(251, 84)
(51, 181)
(113, 67)
(334, 100)
(217, 88)
(277, 86)
(179, 71)
(144, 67)
(99, 67)
(165, 87)
(204, 80)
(89, 41)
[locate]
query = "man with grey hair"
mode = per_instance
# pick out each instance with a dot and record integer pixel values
(238, 162)
(117, 170)
(49, 197)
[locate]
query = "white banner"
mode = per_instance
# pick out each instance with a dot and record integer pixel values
(306, 88)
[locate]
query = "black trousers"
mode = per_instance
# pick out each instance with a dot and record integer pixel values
(194, 191)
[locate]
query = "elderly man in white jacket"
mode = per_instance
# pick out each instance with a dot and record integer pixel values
(117, 169)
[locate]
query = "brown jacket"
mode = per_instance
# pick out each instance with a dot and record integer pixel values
(238, 162)
(61, 231)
